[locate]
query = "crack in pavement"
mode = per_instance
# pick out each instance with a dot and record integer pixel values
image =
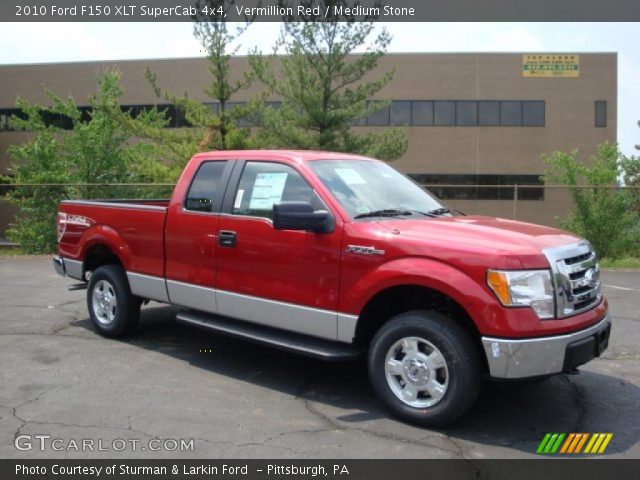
(129, 428)
(22, 421)
(381, 435)
(457, 450)
(478, 471)
(283, 434)
(578, 398)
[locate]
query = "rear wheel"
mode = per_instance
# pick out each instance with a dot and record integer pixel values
(424, 367)
(113, 309)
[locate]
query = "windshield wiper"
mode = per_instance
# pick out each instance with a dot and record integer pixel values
(438, 212)
(396, 212)
(387, 212)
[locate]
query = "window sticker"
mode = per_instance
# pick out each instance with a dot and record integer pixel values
(350, 176)
(267, 190)
(239, 196)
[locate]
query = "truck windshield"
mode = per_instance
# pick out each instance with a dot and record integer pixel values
(372, 189)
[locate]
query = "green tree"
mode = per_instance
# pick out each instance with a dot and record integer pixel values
(602, 212)
(325, 88)
(211, 126)
(72, 146)
(630, 167)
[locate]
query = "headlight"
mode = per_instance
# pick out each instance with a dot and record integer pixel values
(531, 288)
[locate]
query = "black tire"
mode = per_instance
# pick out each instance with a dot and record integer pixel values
(116, 320)
(459, 378)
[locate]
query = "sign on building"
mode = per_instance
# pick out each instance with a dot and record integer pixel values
(550, 66)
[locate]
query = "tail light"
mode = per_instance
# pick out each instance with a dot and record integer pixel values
(61, 224)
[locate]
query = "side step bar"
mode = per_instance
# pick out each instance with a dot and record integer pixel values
(298, 343)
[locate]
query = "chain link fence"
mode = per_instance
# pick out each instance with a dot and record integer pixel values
(542, 204)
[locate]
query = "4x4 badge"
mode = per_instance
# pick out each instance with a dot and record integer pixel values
(359, 249)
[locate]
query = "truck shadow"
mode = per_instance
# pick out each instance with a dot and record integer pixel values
(510, 415)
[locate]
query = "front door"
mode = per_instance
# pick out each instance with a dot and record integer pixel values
(280, 278)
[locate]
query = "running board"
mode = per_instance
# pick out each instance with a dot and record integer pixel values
(294, 342)
(77, 286)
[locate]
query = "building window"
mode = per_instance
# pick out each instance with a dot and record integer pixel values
(482, 186)
(401, 112)
(379, 117)
(488, 113)
(467, 113)
(421, 112)
(444, 113)
(601, 113)
(533, 114)
(511, 113)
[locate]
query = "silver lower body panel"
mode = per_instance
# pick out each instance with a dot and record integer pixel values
(68, 268)
(531, 357)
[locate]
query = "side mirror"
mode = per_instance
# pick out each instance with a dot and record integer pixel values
(300, 216)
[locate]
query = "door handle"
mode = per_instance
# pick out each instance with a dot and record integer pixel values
(227, 238)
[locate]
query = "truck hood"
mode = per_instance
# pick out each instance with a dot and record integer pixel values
(479, 235)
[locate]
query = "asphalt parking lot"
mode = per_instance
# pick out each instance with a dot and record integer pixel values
(239, 400)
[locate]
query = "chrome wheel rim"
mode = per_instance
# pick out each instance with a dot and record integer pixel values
(416, 372)
(104, 302)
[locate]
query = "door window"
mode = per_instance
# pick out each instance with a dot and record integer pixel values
(203, 192)
(262, 184)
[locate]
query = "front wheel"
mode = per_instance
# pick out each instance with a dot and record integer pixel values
(425, 368)
(113, 309)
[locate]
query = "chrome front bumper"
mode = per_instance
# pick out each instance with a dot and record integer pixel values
(68, 268)
(531, 357)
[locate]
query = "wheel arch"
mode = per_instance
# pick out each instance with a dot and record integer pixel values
(102, 245)
(403, 298)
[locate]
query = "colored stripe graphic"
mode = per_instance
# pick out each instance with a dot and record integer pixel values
(583, 439)
(568, 442)
(556, 445)
(603, 447)
(578, 441)
(543, 443)
(598, 443)
(573, 443)
(550, 443)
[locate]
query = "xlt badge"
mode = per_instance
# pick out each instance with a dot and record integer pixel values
(359, 249)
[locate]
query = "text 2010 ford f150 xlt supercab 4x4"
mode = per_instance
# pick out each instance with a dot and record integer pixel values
(332, 254)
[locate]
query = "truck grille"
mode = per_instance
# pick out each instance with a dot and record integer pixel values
(576, 278)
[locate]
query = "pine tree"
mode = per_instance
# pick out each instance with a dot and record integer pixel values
(325, 87)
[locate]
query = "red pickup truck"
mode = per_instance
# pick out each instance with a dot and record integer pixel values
(332, 255)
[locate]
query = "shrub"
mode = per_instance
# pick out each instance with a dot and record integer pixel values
(603, 213)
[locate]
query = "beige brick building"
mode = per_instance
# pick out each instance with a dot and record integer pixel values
(472, 119)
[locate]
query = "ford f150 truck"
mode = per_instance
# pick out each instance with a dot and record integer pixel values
(331, 255)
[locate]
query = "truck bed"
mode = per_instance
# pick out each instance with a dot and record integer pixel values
(136, 223)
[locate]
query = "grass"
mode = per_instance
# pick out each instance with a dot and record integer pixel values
(17, 252)
(625, 262)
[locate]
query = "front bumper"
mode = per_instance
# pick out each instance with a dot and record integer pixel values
(532, 357)
(67, 267)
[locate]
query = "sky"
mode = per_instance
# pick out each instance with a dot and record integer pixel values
(69, 42)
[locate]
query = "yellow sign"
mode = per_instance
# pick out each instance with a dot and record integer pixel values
(550, 66)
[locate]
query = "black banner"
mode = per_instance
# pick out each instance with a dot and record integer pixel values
(548, 469)
(321, 10)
